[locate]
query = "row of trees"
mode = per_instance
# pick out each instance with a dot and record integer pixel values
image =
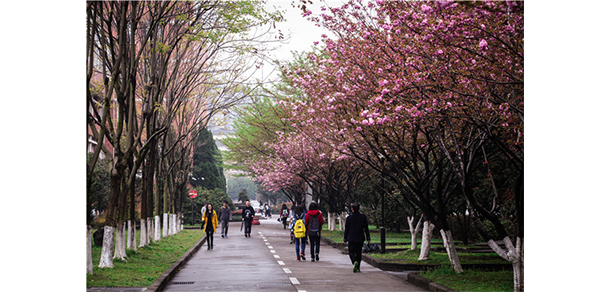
(419, 102)
(156, 73)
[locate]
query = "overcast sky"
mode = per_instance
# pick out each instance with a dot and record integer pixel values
(302, 32)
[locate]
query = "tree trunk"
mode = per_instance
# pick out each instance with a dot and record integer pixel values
(342, 216)
(180, 221)
(451, 251)
(119, 249)
(150, 228)
(157, 228)
(414, 230)
(107, 247)
(89, 257)
(131, 235)
(331, 221)
(165, 225)
(424, 254)
(515, 256)
(143, 236)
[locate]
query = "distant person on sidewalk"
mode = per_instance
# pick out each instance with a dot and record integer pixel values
(356, 226)
(314, 221)
(210, 221)
(284, 214)
(225, 217)
(247, 215)
(299, 231)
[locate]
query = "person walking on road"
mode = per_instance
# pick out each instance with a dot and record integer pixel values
(247, 215)
(284, 215)
(225, 217)
(299, 231)
(314, 221)
(356, 227)
(210, 221)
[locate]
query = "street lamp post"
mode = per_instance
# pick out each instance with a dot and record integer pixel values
(382, 216)
(382, 229)
(192, 194)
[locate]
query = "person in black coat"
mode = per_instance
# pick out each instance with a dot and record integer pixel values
(356, 226)
(247, 215)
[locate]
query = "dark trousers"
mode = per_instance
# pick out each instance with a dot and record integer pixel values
(210, 235)
(314, 243)
(355, 250)
(247, 226)
(224, 227)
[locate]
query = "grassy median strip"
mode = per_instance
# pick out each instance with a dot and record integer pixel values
(142, 268)
(469, 280)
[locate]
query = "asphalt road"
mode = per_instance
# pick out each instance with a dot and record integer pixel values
(267, 262)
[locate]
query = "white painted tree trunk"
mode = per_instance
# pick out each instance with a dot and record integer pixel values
(171, 224)
(451, 251)
(515, 256)
(157, 228)
(180, 222)
(426, 235)
(119, 245)
(143, 236)
(150, 228)
(165, 225)
(107, 247)
(342, 216)
(119, 241)
(331, 221)
(129, 235)
(174, 221)
(89, 257)
(132, 243)
(414, 230)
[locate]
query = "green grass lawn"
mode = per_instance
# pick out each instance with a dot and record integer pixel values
(143, 267)
(439, 258)
(468, 281)
(390, 237)
(472, 280)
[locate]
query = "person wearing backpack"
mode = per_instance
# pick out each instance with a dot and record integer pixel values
(300, 232)
(356, 227)
(284, 214)
(314, 221)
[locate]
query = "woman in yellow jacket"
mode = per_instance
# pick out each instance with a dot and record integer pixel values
(210, 222)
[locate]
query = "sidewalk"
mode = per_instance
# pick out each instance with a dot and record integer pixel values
(267, 262)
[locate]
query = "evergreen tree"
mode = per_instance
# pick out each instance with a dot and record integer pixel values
(207, 171)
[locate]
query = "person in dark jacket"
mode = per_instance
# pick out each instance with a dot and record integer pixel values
(225, 217)
(313, 222)
(356, 226)
(247, 215)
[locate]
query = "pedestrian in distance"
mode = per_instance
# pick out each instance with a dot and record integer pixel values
(284, 214)
(225, 217)
(291, 222)
(356, 227)
(299, 231)
(314, 221)
(210, 221)
(247, 215)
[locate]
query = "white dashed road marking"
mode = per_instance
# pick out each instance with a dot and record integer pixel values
(287, 271)
(294, 281)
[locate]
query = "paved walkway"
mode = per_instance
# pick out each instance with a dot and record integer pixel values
(267, 262)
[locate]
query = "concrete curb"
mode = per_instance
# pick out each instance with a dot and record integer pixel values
(160, 283)
(420, 281)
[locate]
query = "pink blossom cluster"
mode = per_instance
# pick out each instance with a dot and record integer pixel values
(393, 69)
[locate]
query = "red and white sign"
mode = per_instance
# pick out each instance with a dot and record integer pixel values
(193, 194)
